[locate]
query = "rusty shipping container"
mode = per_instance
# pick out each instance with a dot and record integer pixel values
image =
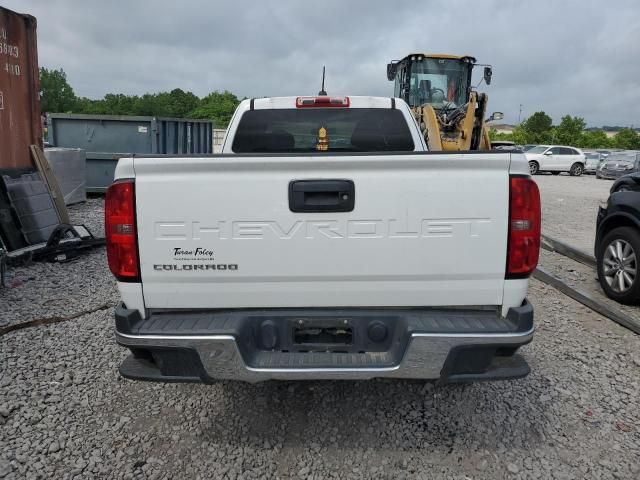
(20, 124)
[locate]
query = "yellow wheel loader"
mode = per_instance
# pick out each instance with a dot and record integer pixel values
(438, 90)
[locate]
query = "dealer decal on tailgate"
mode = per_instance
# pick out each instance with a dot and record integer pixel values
(198, 254)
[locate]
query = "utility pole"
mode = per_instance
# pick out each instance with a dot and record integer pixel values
(520, 114)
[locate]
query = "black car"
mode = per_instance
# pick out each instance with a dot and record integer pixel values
(617, 247)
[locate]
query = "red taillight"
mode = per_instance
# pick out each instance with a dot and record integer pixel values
(524, 227)
(322, 102)
(120, 231)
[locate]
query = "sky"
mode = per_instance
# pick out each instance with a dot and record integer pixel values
(577, 57)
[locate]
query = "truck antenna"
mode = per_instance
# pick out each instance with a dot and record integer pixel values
(322, 91)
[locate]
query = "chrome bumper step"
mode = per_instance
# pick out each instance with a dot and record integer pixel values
(451, 345)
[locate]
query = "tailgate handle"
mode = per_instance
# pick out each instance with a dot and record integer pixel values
(321, 195)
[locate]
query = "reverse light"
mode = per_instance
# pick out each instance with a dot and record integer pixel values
(120, 231)
(322, 102)
(523, 248)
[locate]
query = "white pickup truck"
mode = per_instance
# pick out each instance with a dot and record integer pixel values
(325, 242)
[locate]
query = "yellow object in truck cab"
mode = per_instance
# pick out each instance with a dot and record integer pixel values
(322, 144)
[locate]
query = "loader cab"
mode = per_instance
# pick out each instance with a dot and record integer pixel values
(443, 81)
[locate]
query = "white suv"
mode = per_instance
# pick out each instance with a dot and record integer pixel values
(556, 159)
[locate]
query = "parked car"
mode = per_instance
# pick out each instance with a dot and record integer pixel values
(592, 161)
(281, 259)
(528, 147)
(606, 152)
(555, 159)
(617, 247)
(619, 164)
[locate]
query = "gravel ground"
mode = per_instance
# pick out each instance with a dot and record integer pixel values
(45, 290)
(570, 207)
(65, 413)
(583, 278)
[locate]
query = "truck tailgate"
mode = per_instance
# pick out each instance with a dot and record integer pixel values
(425, 229)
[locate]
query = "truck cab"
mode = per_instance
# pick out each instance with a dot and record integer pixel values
(352, 124)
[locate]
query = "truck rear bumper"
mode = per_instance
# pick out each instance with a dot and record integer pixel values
(451, 345)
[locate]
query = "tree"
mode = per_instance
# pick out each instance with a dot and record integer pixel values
(494, 135)
(536, 129)
(119, 104)
(218, 106)
(176, 103)
(521, 136)
(56, 95)
(146, 105)
(569, 132)
(89, 106)
(517, 136)
(538, 123)
(627, 138)
(594, 139)
(180, 103)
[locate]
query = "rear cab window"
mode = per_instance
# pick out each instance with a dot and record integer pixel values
(322, 130)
